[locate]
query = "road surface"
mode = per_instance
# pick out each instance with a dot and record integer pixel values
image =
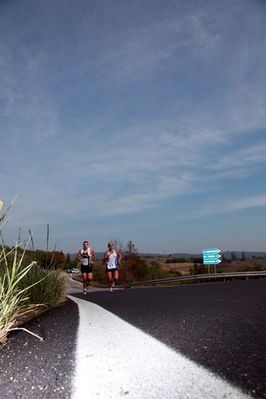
(220, 326)
(193, 341)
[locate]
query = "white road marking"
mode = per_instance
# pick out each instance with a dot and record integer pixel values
(115, 359)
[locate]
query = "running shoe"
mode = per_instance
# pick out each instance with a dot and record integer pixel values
(85, 291)
(111, 289)
(113, 284)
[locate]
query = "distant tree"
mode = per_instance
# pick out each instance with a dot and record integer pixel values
(131, 250)
(233, 256)
(243, 257)
(225, 260)
(68, 262)
(198, 260)
(199, 268)
(134, 267)
(175, 260)
(156, 271)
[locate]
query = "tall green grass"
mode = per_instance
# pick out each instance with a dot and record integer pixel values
(50, 289)
(13, 299)
(24, 289)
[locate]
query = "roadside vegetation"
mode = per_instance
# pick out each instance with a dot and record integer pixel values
(25, 288)
(30, 280)
(136, 267)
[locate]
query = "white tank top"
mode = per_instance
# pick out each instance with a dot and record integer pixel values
(112, 261)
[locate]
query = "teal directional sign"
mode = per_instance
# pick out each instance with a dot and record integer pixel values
(211, 251)
(211, 256)
(211, 261)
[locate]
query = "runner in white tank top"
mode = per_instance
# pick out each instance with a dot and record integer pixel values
(112, 260)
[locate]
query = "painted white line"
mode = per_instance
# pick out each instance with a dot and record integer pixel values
(115, 359)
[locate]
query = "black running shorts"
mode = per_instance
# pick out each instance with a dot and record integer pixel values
(86, 269)
(115, 269)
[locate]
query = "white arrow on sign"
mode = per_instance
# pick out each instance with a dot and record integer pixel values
(217, 256)
(212, 262)
(211, 250)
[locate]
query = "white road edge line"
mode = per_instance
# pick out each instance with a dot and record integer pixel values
(115, 359)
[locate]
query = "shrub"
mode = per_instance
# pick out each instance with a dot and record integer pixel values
(50, 289)
(13, 300)
(176, 260)
(156, 271)
(134, 268)
(23, 287)
(99, 273)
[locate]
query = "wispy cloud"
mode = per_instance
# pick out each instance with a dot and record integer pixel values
(134, 54)
(245, 159)
(232, 205)
(28, 112)
(128, 118)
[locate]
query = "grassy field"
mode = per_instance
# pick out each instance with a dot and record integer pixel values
(185, 268)
(172, 268)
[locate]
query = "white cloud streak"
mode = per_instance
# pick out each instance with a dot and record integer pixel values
(245, 158)
(233, 205)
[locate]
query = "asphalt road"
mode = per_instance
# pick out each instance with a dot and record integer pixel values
(221, 326)
(30, 368)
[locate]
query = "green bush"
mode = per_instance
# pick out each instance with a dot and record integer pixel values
(13, 299)
(134, 268)
(156, 271)
(99, 273)
(24, 287)
(50, 289)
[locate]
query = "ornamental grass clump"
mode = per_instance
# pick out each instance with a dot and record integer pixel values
(19, 297)
(50, 290)
(13, 300)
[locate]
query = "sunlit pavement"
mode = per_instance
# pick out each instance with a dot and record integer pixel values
(133, 363)
(124, 361)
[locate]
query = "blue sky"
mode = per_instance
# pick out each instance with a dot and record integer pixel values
(135, 120)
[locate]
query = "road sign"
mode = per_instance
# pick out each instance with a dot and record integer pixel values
(211, 262)
(211, 256)
(211, 251)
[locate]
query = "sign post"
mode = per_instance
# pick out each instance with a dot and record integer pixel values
(211, 256)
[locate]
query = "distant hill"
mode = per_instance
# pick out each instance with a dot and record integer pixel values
(227, 255)
(173, 255)
(247, 254)
(178, 255)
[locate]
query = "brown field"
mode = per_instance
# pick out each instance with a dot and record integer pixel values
(241, 266)
(186, 267)
(182, 268)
